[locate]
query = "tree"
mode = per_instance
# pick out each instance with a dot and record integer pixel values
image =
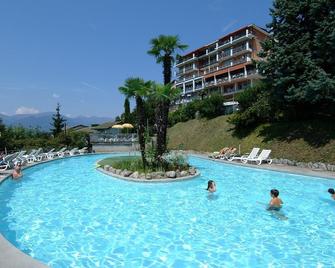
(58, 122)
(127, 118)
(164, 48)
(139, 89)
(300, 58)
(163, 94)
(2, 135)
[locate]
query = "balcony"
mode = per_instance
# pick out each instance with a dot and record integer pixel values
(239, 61)
(239, 48)
(224, 55)
(222, 80)
(184, 60)
(198, 86)
(224, 43)
(236, 76)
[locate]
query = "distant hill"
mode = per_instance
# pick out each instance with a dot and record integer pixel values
(43, 120)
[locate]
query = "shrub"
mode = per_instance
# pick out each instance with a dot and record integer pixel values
(208, 108)
(175, 160)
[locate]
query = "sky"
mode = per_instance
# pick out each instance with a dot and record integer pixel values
(79, 52)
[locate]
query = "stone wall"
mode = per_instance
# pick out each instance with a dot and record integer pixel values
(314, 166)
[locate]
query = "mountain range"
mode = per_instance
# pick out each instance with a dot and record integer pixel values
(43, 120)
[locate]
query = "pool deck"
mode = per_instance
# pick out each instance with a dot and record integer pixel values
(11, 257)
(274, 167)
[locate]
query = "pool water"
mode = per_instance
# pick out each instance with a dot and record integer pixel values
(67, 214)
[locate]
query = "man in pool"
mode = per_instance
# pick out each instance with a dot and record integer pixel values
(211, 187)
(275, 203)
(17, 173)
(332, 192)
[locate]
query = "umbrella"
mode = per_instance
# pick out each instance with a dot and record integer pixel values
(127, 125)
(117, 126)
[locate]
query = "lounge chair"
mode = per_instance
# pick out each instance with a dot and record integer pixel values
(19, 159)
(252, 155)
(35, 157)
(48, 155)
(228, 154)
(73, 151)
(25, 157)
(263, 156)
(83, 150)
(7, 161)
(61, 152)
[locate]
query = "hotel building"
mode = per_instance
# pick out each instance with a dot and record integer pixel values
(224, 66)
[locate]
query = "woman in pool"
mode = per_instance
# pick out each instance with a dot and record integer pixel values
(332, 192)
(275, 203)
(211, 187)
(17, 173)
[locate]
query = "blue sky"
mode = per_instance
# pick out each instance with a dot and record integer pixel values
(78, 52)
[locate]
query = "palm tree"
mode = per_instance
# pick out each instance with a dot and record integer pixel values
(164, 48)
(137, 88)
(163, 94)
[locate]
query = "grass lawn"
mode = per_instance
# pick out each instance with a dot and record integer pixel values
(308, 141)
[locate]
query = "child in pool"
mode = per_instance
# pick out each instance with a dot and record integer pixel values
(211, 187)
(275, 203)
(332, 192)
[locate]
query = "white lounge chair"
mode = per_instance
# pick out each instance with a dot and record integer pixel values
(252, 155)
(61, 152)
(19, 159)
(73, 151)
(48, 155)
(263, 156)
(35, 156)
(7, 161)
(83, 150)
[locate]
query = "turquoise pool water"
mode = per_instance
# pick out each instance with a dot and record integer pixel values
(66, 214)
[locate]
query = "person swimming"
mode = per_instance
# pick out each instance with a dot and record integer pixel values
(17, 173)
(211, 187)
(332, 192)
(275, 203)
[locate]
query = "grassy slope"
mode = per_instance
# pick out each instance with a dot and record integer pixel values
(302, 141)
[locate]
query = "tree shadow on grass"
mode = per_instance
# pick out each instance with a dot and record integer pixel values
(315, 132)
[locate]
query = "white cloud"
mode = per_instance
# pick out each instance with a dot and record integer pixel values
(55, 95)
(26, 110)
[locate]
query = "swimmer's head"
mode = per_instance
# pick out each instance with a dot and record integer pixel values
(331, 191)
(274, 192)
(210, 184)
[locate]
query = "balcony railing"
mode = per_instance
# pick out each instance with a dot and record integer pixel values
(240, 48)
(222, 43)
(238, 75)
(237, 36)
(224, 54)
(238, 61)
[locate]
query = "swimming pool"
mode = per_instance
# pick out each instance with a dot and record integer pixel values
(66, 214)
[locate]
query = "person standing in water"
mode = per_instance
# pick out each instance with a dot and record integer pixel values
(275, 203)
(211, 187)
(17, 173)
(332, 192)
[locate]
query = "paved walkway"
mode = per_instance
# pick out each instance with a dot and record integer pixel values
(275, 167)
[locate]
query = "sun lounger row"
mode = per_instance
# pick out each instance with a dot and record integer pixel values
(10, 160)
(253, 156)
